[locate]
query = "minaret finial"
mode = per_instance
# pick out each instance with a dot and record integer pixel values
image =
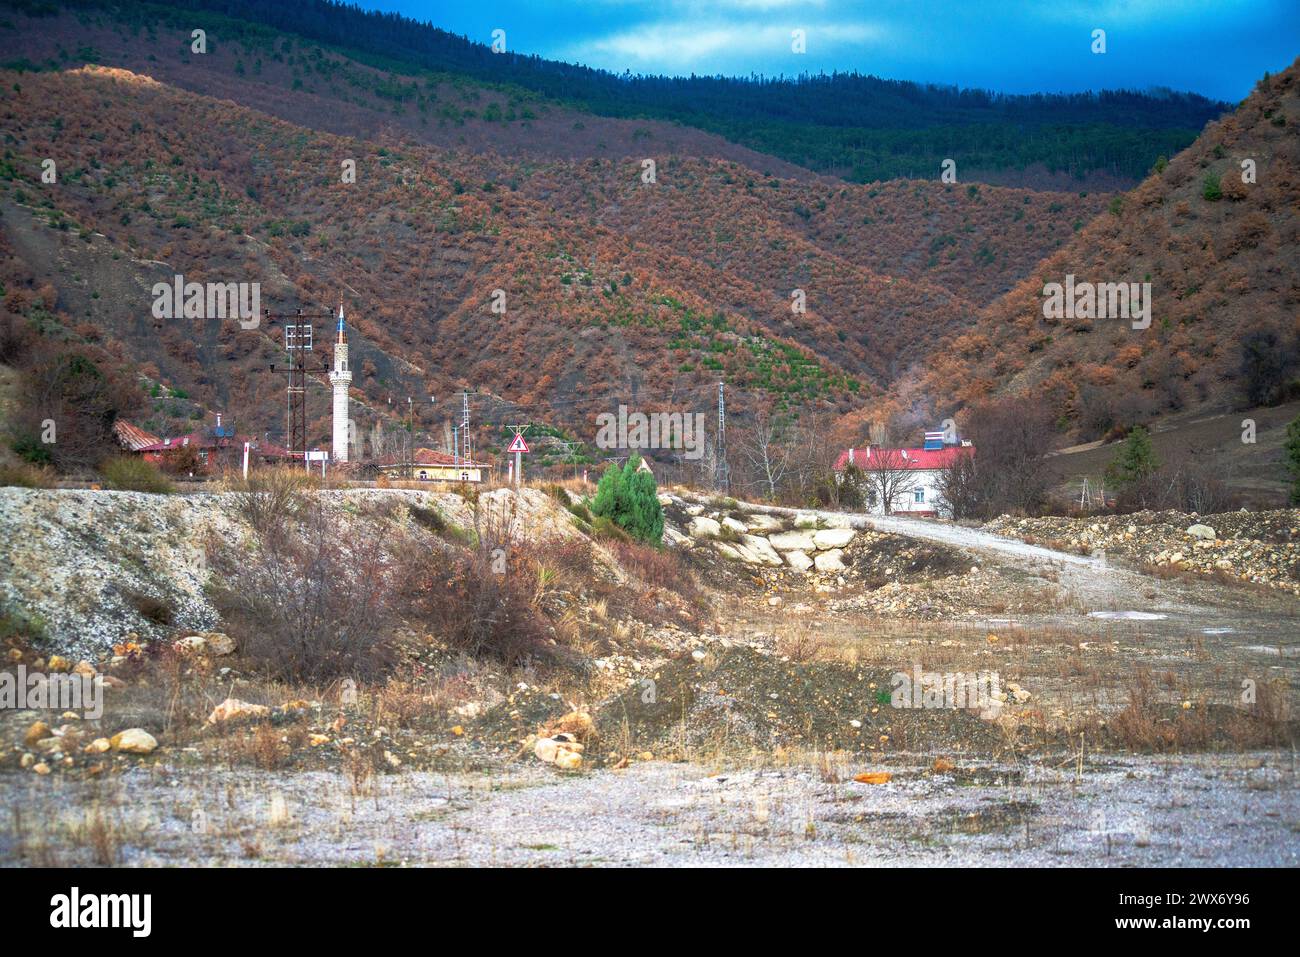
(340, 318)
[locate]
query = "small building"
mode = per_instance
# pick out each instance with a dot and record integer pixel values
(430, 465)
(214, 448)
(911, 478)
(132, 437)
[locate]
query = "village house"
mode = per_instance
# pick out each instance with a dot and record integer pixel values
(430, 465)
(911, 478)
(212, 448)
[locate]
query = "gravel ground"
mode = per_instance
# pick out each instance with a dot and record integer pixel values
(1187, 811)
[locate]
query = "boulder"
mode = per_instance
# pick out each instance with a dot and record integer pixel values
(1202, 531)
(36, 732)
(734, 524)
(763, 523)
(799, 561)
(829, 561)
(728, 551)
(702, 527)
(214, 643)
(232, 709)
(562, 750)
(833, 537)
(797, 541)
(133, 741)
(762, 550)
(674, 537)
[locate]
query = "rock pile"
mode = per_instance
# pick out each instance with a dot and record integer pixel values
(803, 544)
(1261, 547)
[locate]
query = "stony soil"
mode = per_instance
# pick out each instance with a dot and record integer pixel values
(725, 741)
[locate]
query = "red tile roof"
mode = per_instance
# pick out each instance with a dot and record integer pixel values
(918, 459)
(132, 436)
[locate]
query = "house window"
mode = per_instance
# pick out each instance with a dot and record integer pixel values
(464, 476)
(919, 495)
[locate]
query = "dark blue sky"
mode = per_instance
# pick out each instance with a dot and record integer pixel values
(1215, 47)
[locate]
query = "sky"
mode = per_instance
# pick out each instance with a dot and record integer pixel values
(1215, 47)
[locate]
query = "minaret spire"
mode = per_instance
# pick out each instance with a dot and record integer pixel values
(340, 380)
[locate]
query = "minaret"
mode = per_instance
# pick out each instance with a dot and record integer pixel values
(340, 379)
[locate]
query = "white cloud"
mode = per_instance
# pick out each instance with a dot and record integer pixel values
(702, 47)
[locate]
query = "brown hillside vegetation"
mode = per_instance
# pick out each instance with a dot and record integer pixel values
(1221, 257)
(612, 285)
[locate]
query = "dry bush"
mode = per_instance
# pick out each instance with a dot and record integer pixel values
(130, 474)
(481, 600)
(266, 746)
(800, 644)
(24, 475)
(310, 603)
(272, 499)
(660, 567)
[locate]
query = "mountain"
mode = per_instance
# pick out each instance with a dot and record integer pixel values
(614, 287)
(621, 283)
(1220, 254)
(860, 127)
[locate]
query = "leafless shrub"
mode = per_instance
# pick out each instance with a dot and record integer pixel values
(481, 600)
(310, 602)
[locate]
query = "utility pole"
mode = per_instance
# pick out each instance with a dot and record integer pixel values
(723, 476)
(298, 335)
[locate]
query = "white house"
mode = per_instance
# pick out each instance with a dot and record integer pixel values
(910, 478)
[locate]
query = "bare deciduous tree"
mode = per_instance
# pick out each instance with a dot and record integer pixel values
(888, 476)
(765, 446)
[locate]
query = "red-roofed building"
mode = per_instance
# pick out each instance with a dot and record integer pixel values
(430, 465)
(213, 448)
(909, 478)
(132, 437)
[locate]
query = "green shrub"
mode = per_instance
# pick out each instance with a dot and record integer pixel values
(630, 499)
(1211, 188)
(130, 474)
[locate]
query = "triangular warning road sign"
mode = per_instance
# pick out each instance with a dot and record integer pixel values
(518, 445)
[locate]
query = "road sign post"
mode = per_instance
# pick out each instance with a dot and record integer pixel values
(518, 446)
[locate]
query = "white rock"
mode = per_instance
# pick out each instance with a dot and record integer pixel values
(1202, 531)
(799, 560)
(833, 537)
(734, 524)
(674, 537)
(798, 541)
(727, 551)
(702, 527)
(762, 549)
(763, 523)
(829, 561)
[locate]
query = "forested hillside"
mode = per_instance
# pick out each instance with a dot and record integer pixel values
(494, 239)
(860, 127)
(1215, 232)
